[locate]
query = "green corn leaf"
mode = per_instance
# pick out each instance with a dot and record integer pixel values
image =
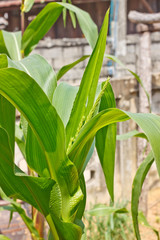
(73, 18)
(24, 126)
(19, 138)
(85, 99)
(106, 141)
(64, 95)
(89, 147)
(86, 24)
(64, 14)
(84, 236)
(66, 231)
(10, 44)
(87, 150)
(40, 26)
(10, 217)
(2, 237)
(66, 68)
(7, 119)
(48, 16)
(72, 15)
(3, 48)
(31, 101)
(35, 191)
(143, 220)
(7, 111)
(35, 156)
(39, 69)
(7, 208)
(149, 123)
(90, 129)
(103, 210)
(36, 67)
(3, 61)
(130, 134)
(89, 155)
(136, 190)
(17, 208)
(82, 206)
(41, 119)
(113, 58)
(27, 5)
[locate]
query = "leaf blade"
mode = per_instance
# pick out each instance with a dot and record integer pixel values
(136, 190)
(36, 31)
(113, 58)
(64, 95)
(66, 68)
(87, 25)
(149, 123)
(39, 69)
(102, 210)
(85, 99)
(49, 130)
(27, 5)
(133, 133)
(12, 42)
(106, 142)
(17, 208)
(142, 220)
(24, 189)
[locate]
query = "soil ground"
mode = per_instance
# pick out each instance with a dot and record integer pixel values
(153, 215)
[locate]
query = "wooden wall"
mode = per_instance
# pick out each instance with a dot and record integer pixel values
(96, 8)
(138, 6)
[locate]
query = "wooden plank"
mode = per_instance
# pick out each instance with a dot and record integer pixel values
(146, 18)
(88, 1)
(58, 30)
(6, 4)
(18, 2)
(138, 6)
(148, 28)
(3, 203)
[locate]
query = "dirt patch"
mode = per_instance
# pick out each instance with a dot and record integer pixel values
(153, 215)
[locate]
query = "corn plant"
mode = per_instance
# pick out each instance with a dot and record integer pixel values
(113, 222)
(59, 124)
(109, 222)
